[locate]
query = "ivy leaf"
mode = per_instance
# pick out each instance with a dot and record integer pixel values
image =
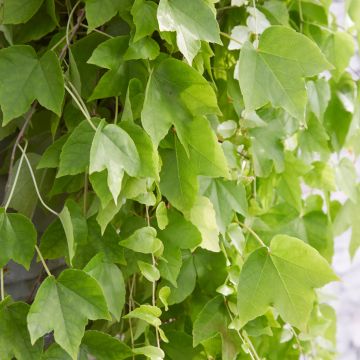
(202, 215)
(75, 154)
(193, 21)
(114, 150)
(104, 347)
(149, 157)
(339, 47)
(99, 12)
(74, 225)
(17, 239)
(51, 157)
(149, 271)
(109, 55)
(226, 197)
(144, 15)
(148, 313)
(143, 240)
(284, 277)
(210, 321)
(53, 308)
(111, 281)
(178, 178)
(204, 149)
(279, 48)
(24, 77)
(15, 339)
(175, 94)
(152, 352)
(17, 11)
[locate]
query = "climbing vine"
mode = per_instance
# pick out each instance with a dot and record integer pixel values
(173, 166)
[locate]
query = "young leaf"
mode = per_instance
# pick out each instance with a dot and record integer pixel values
(175, 94)
(261, 71)
(143, 240)
(149, 271)
(15, 339)
(193, 21)
(111, 281)
(114, 150)
(17, 239)
(285, 277)
(24, 77)
(202, 215)
(148, 313)
(53, 309)
(161, 216)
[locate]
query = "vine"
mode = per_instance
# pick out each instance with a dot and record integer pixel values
(176, 158)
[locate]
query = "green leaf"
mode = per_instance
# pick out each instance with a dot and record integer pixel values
(161, 216)
(148, 313)
(17, 11)
(178, 178)
(24, 77)
(261, 71)
(164, 294)
(143, 240)
(180, 232)
(204, 149)
(24, 198)
(339, 47)
(144, 15)
(74, 225)
(104, 347)
(53, 309)
(202, 215)
(149, 157)
(284, 277)
(210, 321)
(114, 150)
(111, 281)
(17, 239)
(152, 352)
(15, 339)
(149, 271)
(75, 154)
(226, 197)
(192, 21)
(175, 94)
(99, 12)
(51, 157)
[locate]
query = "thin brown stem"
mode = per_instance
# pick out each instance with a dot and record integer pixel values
(18, 140)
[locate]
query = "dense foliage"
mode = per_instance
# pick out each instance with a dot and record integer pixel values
(180, 157)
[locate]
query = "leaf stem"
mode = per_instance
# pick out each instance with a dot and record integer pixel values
(35, 184)
(2, 284)
(98, 31)
(252, 232)
(42, 260)
(80, 106)
(16, 178)
(230, 37)
(116, 109)
(18, 139)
